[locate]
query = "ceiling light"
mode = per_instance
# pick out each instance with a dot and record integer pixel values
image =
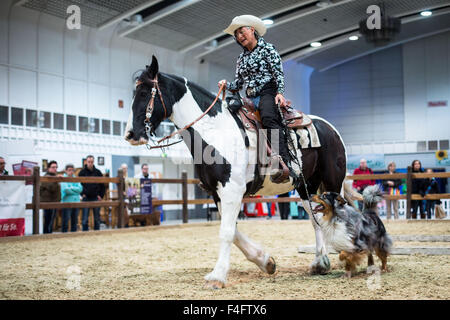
(136, 19)
(316, 44)
(426, 13)
(323, 4)
(268, 22)
(353, 38)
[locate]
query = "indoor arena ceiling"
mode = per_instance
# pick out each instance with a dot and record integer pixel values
(195, 26)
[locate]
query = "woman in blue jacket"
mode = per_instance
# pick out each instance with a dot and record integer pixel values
(70, 192)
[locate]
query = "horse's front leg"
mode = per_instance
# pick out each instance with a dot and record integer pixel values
(321, 264)
(255, 253)
(229, 210)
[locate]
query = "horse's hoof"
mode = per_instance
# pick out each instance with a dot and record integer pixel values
(271, 266)
(321, 265)
(215, 284)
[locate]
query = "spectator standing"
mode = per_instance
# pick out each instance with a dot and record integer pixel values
(284, 206)
(3, 171)
(419, 186)
(50, 192)
(91, 192)
(144, 172)
(360, 185)
(433, 188)
(124, 168)
(391, 187)
(70, 192)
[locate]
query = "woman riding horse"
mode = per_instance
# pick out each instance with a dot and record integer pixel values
(260, 72)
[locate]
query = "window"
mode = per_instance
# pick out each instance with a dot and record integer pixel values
(17, 116)
(116, 128)
(124, 126)
(71, 123)
(58, 121)
(94, 125)
(83, 124)
(44, 120)
(106, 127)
(432, 145)
(4, 114)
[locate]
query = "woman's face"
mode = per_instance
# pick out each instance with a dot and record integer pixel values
(245, 35)
(392, 168)
(417, 165)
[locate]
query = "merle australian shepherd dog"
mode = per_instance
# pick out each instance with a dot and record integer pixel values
(352, 233)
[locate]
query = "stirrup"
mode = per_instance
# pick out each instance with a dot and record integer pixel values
(279, 175)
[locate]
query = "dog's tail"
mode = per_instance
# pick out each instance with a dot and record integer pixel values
(371, 196)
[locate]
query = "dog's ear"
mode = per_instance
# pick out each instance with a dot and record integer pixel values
(333, 196)
(330, 197)
(341, 200)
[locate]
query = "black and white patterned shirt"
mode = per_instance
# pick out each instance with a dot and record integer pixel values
(256, 68)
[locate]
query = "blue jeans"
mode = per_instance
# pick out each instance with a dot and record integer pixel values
(256, 101)
(85, 218)
(72, 215)
(49, 218)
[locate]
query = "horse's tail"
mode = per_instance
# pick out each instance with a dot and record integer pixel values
(350, 194)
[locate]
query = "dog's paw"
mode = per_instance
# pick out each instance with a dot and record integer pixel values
(347, 275)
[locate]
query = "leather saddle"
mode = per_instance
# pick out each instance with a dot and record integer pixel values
(252, 120)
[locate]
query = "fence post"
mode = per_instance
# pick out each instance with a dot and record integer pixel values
(36, 198)
(184, 195)
(408, 192)
(121, 207)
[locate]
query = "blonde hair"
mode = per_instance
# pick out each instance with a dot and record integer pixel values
(392, 163)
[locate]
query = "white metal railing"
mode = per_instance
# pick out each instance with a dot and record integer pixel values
(65, 140)
(445, 204)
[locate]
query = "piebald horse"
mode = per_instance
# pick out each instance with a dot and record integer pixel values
(226, 166)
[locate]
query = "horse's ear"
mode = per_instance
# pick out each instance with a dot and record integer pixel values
(154, 68)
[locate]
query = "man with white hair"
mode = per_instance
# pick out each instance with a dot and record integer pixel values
(360, 185)
(124, 168)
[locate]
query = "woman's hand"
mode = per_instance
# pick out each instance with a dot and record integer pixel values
(279, 99)
(221, 83)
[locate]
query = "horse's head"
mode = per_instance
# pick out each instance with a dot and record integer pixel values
(152, 104)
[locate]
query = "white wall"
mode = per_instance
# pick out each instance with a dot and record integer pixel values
(426, 65)
(297, 85)
(363, 98)
(384, 97)
(45, 66)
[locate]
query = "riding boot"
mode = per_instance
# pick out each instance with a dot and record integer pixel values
(414, 215)
(422, 216)
(281, 173)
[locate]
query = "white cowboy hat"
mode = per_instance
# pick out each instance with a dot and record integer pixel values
(246, 20)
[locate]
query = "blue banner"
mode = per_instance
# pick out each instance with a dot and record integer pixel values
(146, 196)
(375, 161)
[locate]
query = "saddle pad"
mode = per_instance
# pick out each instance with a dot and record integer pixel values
(308, 137)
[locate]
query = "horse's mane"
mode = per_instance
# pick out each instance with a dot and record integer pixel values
(203, 97)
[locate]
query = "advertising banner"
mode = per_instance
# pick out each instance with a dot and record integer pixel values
(12, 208)
(146, 196)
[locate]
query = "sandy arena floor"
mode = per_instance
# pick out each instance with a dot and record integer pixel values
(170, 263)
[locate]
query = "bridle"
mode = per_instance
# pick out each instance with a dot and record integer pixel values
(151, 103)
(149, 111)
